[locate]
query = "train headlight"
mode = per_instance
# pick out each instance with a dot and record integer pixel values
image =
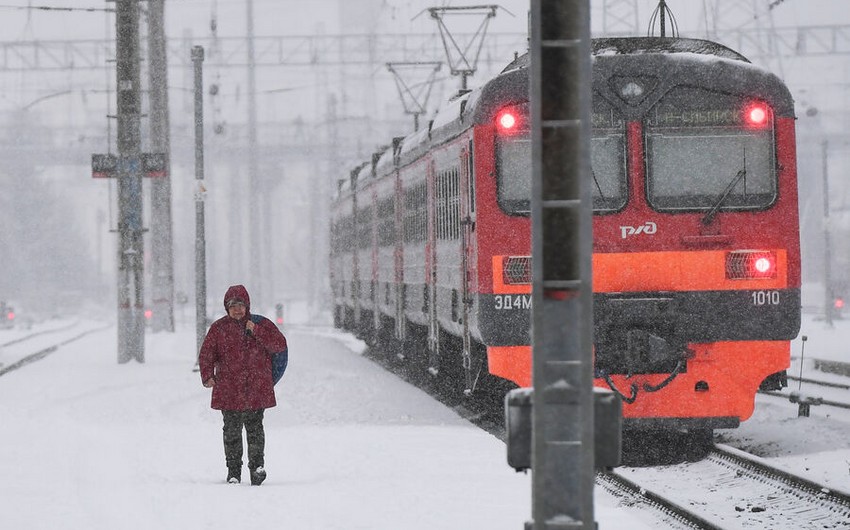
(750, 264)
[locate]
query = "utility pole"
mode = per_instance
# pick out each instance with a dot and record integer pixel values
(131, 327)
(200, 241)
(562, 242)
(256, 226)
(162, 249)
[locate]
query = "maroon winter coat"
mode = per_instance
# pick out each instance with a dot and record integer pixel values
(240, 363)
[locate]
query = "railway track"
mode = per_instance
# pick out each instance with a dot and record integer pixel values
(32, 347)
(727, 489)
(730, 489)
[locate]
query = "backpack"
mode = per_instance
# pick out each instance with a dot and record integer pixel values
(279, 359)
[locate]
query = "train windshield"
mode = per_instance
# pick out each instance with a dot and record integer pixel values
(608, 162)
(707, 151)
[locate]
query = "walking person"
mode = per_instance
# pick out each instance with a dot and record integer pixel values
(236, 362)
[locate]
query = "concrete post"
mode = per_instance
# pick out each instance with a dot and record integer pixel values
(562, 313)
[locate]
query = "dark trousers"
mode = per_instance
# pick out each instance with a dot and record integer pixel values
(253, 422)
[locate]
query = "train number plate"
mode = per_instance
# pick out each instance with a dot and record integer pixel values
(765, 297)
(512, 301)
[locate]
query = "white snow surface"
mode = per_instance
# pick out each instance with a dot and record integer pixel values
(88, 443)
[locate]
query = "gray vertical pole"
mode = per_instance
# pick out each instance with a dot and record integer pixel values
(255, 228)
(131, 326)
(162, 250)
(827, 239)
(200, 243)
(562, 313)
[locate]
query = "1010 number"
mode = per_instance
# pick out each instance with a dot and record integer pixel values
(765, 297)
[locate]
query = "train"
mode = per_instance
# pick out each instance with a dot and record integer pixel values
(696, 247)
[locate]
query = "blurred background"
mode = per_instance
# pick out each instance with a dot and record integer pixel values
(323, 84)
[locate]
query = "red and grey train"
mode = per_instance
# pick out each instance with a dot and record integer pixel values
(696, 253)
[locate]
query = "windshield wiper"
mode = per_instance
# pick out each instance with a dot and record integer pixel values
(712, 213)
(598, 187)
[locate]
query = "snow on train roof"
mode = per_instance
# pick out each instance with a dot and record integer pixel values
(645, 46)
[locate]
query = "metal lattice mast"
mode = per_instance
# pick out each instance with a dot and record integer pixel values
(620, 17)
(747, 26)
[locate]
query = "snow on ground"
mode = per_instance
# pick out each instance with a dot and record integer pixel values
(90, 444)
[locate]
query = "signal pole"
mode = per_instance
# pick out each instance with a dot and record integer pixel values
(131, 327)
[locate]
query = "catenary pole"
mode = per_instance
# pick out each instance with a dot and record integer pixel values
(828, 295)
(131, 328)
(254, 202)
(200, 243)
(162, 249)
(562, 314)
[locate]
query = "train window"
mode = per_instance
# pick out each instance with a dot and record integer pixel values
(415, 213)
(607, 158)
(386, 222)
(513, 167)
(608, 170)
(448, 204)
(608, 163)
(364, 227)
(708, 151)
(513, 159)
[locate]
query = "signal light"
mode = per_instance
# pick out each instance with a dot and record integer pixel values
(10, 315)
(148, 314)
(839, 303)
(750, 265)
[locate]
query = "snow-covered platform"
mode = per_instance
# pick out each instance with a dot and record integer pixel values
(90, 444)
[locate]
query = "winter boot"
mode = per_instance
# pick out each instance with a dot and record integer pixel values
(234, 476)
(258, 476)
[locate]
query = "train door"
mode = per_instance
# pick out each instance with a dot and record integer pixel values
(355, 250)
(471, 365)
(398, 258)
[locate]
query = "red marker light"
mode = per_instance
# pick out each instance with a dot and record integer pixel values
(751, 265)
(757, 114)
(762, 265)
(10, 315)
(507, 121)
(839, 303)
(148, 314)
(280, 320)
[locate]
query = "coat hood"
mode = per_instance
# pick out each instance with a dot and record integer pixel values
(238, 292)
